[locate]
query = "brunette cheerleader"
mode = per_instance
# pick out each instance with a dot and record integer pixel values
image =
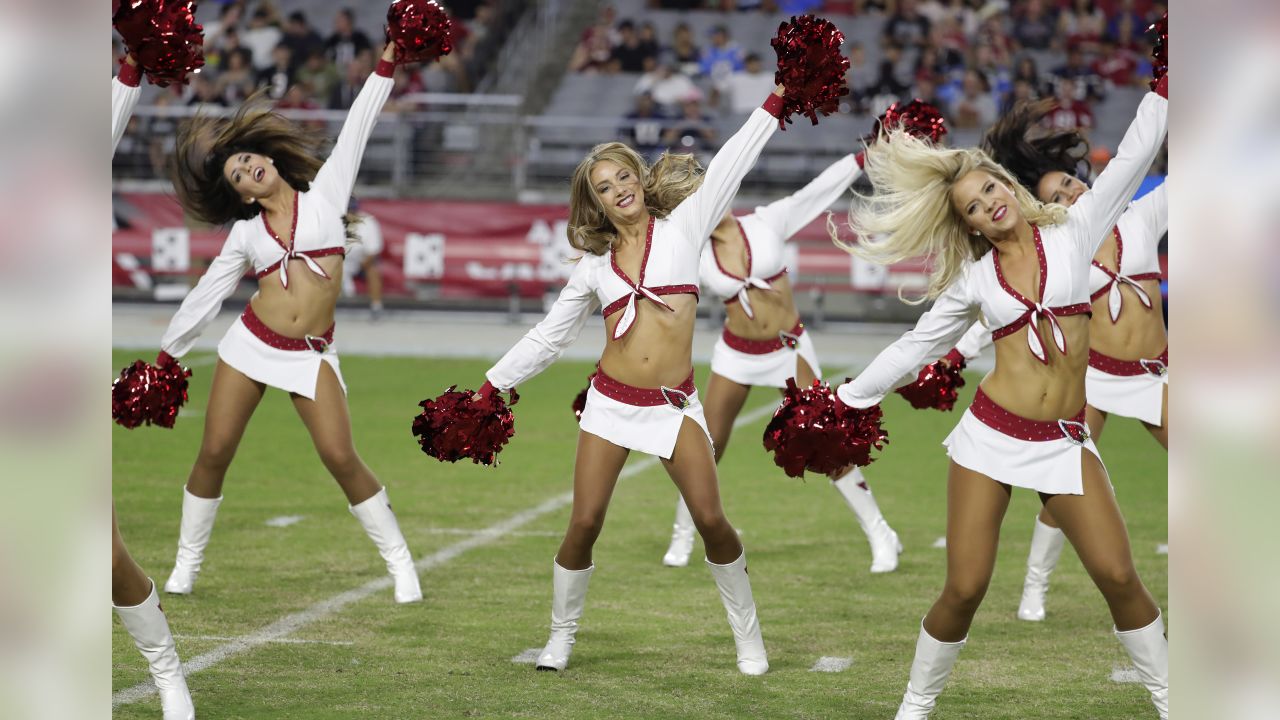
(1025, 266)
(764, 342)
(261, 172)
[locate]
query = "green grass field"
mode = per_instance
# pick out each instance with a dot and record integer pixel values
(654, 641)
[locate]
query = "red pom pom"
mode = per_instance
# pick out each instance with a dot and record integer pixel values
(917, 117)
(810, 67)
(812, 430)
(1160, 50)
(465, 424)
(935, 387)
(420, 29)
(163, 38)
(580, 402)
(149, 394)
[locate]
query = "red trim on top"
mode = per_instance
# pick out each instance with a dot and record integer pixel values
(773, 105)
(770, 279)
(293, 229)
(164, 359)
(1162, 87)
(1127, 368)
(1016, 426)
(130, 75)
(283, 342)
(648, 244)
(762, 347)
(861, 158)
(621, 302)
(641, 397)
(322, 252)
(1111, 275)
(385, 68)
(1025, 317)
(745, 242)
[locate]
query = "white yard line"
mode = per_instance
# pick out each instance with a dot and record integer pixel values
(1125, 675)
(285, 520)
(527, 657)
(1162, 549)
(940, 543)
(289, 624)
(286, 641)
(473, 531)
(831, 664)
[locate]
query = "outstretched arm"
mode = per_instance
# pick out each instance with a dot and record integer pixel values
(338, 175)
(542, 345)
(788, 216)
(125, 90)
(936, 331)
(1153, 210)
(699, 214)
(201, 305)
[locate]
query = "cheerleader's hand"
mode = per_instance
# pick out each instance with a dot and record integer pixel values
(486, 390)
(389, 53)
(955, 358)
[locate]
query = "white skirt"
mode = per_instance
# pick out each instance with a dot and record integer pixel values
(1135, 396)
(767, 370)
(648, 429)
(1052, 467)
(294, 371)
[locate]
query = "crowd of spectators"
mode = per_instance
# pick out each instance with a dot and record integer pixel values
(971, 58)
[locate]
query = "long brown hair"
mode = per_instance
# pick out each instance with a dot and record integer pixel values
(666, 184)
(1021, 145)
(204, 143)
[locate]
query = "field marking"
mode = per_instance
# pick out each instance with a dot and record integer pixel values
(831, 664)
(285, 641)
(1125, 675)
(940, 543)
(1162, 549)
(527, 657)
(474, 531)
(294, 622)
(285, 520)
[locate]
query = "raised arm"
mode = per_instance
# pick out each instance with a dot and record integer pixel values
(542, 345)
(1153, 210)
(699, 214)
(936, 332)
(787, 216)
(201, 305)
(338, 175)
(1091, 218)
(125, 90)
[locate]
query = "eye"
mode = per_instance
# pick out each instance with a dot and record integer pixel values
(990, 186)
(1057, 198)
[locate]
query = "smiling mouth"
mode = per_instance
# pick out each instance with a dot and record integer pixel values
(259, 174)
(999, 213)
(626, 201)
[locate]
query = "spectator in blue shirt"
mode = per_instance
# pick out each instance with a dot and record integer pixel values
(722, 57)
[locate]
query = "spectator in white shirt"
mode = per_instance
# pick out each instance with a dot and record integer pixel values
(667, 87)
(745, 88)
(261, 38)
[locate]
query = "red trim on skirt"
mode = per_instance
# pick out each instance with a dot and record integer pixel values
(764, 347)
(1016, 426)
(644, 397)
(1129, 368)
(280, 342)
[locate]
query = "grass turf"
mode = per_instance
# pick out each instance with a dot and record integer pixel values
(654, 641)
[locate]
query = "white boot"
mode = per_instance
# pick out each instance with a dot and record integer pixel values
(198, 515)
(1046, 548)
(681, 537)
(885, 546)
(735, 592)
(929, 672)
(149, 628)
(380, 523)
(1149, 650)
(568, 596)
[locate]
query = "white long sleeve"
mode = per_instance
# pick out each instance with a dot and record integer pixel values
(934, 334)
(1153, 210)
(337, 176)
(201, 305)
(699, 214)
(542, 345)
(1093, 215)
(789, 215)
(124, 97)
(974, 342)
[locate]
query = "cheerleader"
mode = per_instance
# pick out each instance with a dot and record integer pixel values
(641, 231)
(260, 171)
(363, 257)
(133, 594)
(764, 342)
(1025, 266)
(1128, 371)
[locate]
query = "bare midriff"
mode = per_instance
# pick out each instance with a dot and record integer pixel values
(658, 350)
(1024, 386)
(306, 306)
(1139, 332)
(775, 312)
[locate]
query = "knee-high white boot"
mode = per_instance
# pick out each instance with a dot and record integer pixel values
(568, 597)
(380, 524)
(198, 515)
(885, 546)
(929, 672)
(149, 629)
(1149, 650)
(1046, 548)
(681, 537)
(735, 593)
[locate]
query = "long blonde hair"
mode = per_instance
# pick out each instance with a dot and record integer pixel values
(909, 214)
(666, 184)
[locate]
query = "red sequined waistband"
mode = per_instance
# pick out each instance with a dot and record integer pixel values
(764, 347)
(677, 397)
(1129, 368)
(1016, 426)
(280, 342)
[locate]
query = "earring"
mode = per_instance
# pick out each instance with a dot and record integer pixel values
(271, 160)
